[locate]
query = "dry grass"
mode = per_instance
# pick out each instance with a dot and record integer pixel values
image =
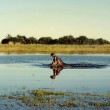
(40, 48)
(45, 98)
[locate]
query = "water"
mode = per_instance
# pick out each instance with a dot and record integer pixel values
(18, 71)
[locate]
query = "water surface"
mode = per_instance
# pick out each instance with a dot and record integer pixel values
(19, 71)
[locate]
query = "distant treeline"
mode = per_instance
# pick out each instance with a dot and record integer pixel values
(81, 40)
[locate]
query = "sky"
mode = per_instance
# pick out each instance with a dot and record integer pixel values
(55, 18)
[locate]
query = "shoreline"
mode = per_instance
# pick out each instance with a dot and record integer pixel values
(61, 49)
(47, 99)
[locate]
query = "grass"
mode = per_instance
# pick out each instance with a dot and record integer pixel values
(49, 99)
(40, 48)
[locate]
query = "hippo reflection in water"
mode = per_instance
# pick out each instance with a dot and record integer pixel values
(56, 71)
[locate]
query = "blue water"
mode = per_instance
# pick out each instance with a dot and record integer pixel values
(19, 71)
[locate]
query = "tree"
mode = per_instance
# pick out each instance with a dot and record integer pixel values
(5, 41)
(32, 40)
(82, 40)
(66, 40)
(102, 41)
(45, 40)
(54, 41)
(91, 41)
(21, 39)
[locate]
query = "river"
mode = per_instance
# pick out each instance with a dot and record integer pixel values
(18, 71)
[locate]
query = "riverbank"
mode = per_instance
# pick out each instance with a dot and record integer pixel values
(54, 100)
(66, 49)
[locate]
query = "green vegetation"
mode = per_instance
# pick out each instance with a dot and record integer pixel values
(65, 44)
(67, 40)
(40, 48)
(45, 98)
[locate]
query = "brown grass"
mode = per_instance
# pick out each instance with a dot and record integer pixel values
(40, 48)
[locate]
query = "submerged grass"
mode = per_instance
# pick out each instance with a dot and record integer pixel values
(49, 98)
(40, 48)
(45, 92)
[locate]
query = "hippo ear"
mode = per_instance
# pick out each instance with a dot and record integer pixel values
(52, 54)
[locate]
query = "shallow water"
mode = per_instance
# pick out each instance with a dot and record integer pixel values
(19, 71)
